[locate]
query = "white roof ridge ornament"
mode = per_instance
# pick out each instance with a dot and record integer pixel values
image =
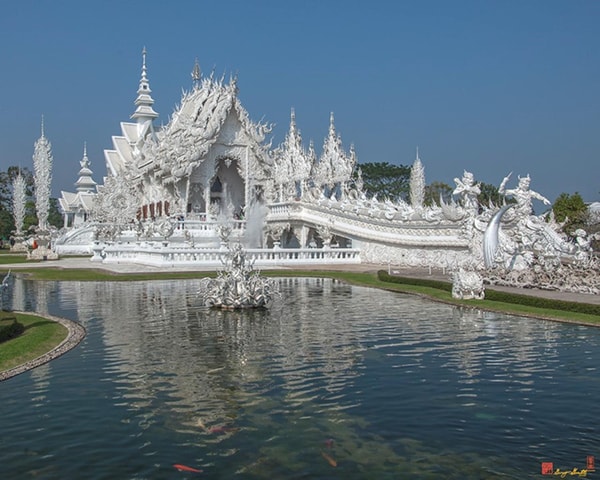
(196, 75)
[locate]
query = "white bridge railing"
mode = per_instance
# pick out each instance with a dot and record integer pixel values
(157, 254)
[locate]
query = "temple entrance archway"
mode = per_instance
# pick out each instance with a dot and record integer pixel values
(227, 187)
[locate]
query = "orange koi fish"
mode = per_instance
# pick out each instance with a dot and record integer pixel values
(185, 468)
(222, 429)
(329, 459)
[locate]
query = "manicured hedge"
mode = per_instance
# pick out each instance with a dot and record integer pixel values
(539, 302)
(10, 329)
(421, 282)
(497, 296)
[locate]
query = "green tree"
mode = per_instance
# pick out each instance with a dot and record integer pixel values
(435, 190)
(572, 210)
(7, 221)
(386, 180)
(55, 218)
(490, 195)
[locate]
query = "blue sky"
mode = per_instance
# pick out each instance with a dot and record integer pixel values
(487, 86)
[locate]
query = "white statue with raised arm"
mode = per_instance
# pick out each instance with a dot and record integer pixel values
(522, 194)
(468, 191)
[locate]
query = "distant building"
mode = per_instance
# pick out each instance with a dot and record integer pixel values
(77, 206)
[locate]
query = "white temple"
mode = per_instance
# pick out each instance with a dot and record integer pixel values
(179, 193)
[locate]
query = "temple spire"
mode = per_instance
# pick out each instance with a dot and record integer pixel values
(144, 101)
(42, 126)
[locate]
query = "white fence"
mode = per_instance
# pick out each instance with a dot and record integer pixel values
(157, 254)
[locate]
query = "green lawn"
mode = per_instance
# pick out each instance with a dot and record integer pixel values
(6, 258)
(41, 335)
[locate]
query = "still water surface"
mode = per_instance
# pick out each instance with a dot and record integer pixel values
(379, 384)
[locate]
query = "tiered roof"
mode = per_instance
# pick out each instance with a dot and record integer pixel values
(175, 150)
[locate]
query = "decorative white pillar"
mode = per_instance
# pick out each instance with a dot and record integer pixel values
(42, 166)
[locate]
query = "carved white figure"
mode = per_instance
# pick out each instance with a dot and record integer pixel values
(468, 191)
(467, 285)
(522, 194)
(583, 247)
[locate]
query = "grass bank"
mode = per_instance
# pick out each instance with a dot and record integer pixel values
(7, 258)
(40, 336)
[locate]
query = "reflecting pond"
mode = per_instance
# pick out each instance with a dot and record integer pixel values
(335, 381)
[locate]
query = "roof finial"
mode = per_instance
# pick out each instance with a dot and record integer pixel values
(85, 162)
(42, 125)
(196, 74)
(417, 158)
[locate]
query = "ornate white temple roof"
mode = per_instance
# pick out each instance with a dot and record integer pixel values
(210, 113)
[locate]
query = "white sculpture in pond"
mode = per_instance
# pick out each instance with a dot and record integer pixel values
(467, 285)
(238, 286)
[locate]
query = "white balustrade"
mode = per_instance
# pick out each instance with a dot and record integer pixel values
(154, 253)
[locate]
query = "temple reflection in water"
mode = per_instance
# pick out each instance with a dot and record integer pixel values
(158, 332)
(258, 391)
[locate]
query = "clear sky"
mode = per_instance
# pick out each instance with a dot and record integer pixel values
(487, 86)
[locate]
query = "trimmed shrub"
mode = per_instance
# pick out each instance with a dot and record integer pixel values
(421, 282)
(497, 296)
(9, 329)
